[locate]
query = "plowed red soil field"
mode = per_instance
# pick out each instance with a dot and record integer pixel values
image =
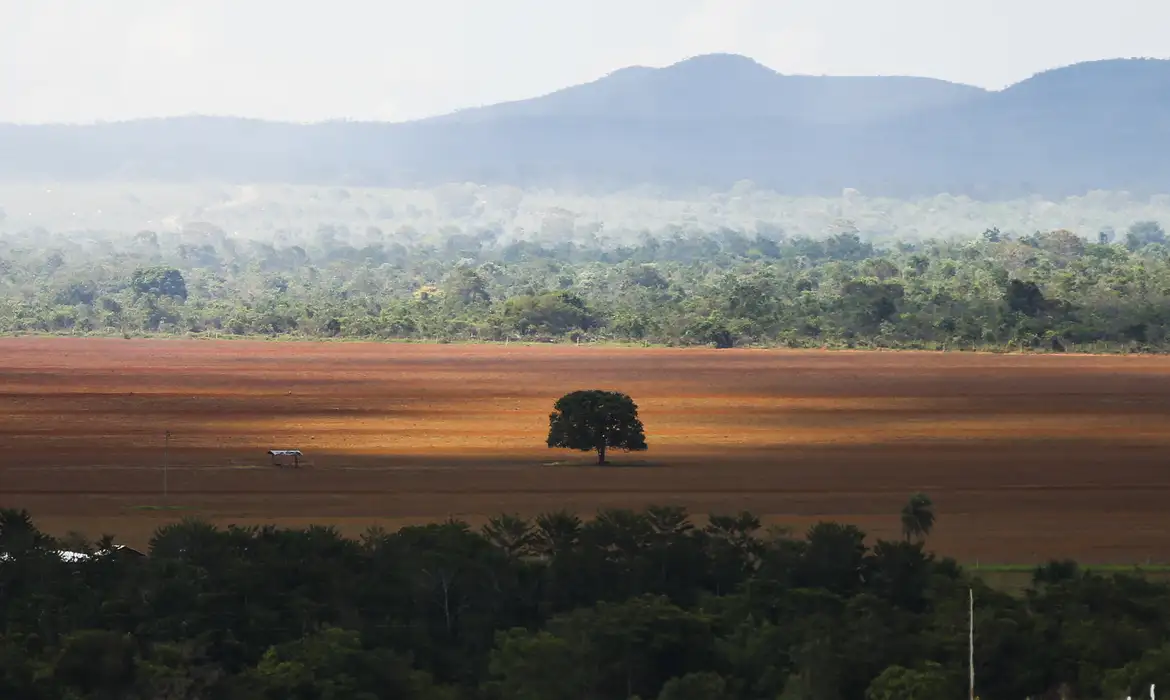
(1026, 457)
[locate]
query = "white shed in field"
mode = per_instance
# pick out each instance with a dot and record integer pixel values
(280, 458)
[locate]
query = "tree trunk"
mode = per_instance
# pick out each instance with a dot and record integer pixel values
(601, 454)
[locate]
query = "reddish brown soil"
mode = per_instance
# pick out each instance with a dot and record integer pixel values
(1026, 457)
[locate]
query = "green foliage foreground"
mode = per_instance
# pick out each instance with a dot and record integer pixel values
(628, 604)
(1048, 291)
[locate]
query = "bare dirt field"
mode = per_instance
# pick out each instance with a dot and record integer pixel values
(1026, 457)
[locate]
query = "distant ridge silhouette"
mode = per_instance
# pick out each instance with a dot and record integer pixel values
(710, 120)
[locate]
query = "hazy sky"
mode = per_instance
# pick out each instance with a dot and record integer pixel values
(83, 60)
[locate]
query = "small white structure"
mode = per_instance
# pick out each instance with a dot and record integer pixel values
(67, 556)
(280, 457)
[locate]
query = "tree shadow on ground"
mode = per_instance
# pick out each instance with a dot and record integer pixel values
(591, 463)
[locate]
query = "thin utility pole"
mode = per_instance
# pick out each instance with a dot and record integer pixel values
(166, 463)
(971, 642)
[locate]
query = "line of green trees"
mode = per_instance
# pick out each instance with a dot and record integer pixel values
(1048, 291)
(649, 604)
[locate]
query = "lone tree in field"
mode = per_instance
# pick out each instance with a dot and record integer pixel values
(596, 420)
(917, 517)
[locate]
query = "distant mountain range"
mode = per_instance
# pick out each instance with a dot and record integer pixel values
(709, 121)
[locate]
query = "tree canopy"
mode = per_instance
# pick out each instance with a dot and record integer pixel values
(917, 517)
(595, 420)
(649, 604)
(159, 281)
(1044, 291)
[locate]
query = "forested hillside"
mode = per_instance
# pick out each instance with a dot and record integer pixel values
(626, 605)
(1050, 290)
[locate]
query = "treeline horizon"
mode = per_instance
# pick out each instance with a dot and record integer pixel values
(289, 214)
(1050, 290)
(627, 604)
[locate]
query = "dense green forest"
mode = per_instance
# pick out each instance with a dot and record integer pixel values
(1050, 290)
(625, 605)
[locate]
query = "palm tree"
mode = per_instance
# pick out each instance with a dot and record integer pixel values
(917, 517)
(556, 533)
(511, 534)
